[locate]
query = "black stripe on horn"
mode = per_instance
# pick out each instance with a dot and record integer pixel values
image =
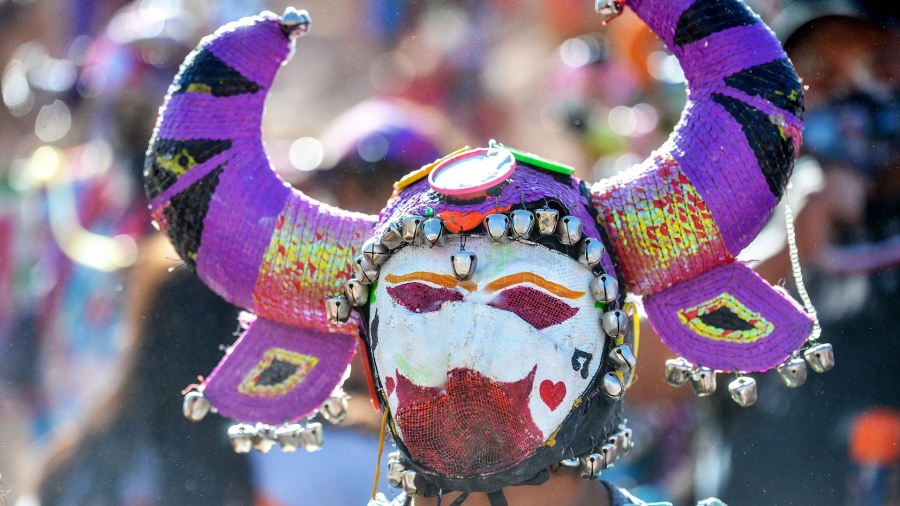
(706, 17)
(170, 159)
(202, 72)
(185, 214)
(775, 81)
(773, 149)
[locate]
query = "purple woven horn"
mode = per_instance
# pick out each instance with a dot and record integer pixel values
(253, 239)
(686, 212)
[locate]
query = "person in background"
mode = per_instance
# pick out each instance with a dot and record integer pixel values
(371, 146)
(838, 431)
(136, 449)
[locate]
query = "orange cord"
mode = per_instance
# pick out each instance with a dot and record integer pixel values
(380, 451)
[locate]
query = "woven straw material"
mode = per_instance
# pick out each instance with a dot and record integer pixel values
(254, 240)
(676, 222)
(734, 148)
(249, 236)
(276, 373)
(727, 319)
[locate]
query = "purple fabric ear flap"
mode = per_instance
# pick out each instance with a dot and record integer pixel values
(276, 373)
(729, 319)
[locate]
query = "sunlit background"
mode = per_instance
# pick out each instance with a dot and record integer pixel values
(374, 81)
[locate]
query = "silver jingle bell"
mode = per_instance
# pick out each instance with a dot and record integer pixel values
(612, 386)
(569, 230)
(628, 434)
(411, 228)
(334, 409)
(241, 436)
(463, 263)
(604, 288)
(743, 391)
(288, 437)
(433, 232)
(408, 482)
(522, 223)
(618, 441)
(195, 406)
(590, 465)
(592, 251)
(546, 219)
(375, 253)
(609, 455)
(311, 437)
(264, 439)
(622, 358)
(820, 357)
(678, 371)
(392, 237)
(793, 371)
(295, 22)
(364, 270)
(704, 381)
(337, 309)
(497, 227)
(614, 323)
(395, 472)
(356, 292)
(608, 9)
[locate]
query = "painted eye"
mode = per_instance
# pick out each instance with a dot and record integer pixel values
(537, 308)
(422, 298)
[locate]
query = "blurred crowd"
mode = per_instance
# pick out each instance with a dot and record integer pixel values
(101, 327)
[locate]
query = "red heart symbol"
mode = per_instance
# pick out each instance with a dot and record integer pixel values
(389, 384)
(553, 393)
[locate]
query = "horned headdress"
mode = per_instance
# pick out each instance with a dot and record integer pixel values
(668, 229)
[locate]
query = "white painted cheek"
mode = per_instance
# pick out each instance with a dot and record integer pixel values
(411, 344)
(555, 370)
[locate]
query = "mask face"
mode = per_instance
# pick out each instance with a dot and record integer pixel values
(480, 373)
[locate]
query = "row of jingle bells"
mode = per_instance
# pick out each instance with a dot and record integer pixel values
(617, 445)
(793, 371)
(430, 232)
(262, 438)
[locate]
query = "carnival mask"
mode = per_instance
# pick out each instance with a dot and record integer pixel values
(500, 358)
(487, 292)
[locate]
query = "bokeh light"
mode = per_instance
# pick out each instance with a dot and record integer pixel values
(306, 154)
(53, 121)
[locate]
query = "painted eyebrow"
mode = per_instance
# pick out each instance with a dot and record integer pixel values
(534, 279)
(431, 277)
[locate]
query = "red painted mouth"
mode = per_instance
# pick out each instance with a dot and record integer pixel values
(475, 426)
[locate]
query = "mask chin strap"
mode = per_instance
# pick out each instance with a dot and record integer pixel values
(496, 498)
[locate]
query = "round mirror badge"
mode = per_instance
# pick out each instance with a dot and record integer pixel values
(472, 173)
